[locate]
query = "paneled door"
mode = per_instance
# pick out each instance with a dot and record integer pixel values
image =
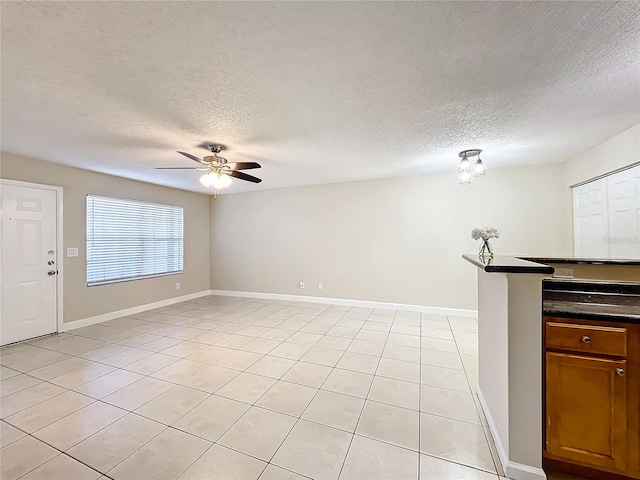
(624, 213)
(606, 216)
(29, 262)
(591, 222)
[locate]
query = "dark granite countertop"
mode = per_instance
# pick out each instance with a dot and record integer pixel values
(585, 261)
(573, 298)
(577, 285)
(593, 311)
(504, 264)
(592, 299)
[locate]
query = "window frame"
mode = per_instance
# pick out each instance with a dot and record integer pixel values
(138, 203)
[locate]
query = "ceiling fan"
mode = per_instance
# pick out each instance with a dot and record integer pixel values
(219, 170)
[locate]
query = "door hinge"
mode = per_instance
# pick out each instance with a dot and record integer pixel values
(549, 421)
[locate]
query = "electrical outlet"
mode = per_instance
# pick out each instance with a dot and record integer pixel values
(72, 252)
(301, 284)
(320, 286)
(177, 285)
(563, 272)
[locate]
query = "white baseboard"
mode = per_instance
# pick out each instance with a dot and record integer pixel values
(502, 452)
(514, 470)
(519, 471)
(271, 296)
(85, 322)
(349, 303)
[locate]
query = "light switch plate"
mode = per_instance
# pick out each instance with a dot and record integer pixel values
(72, 252)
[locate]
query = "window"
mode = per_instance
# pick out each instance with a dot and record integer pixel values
(130, 240)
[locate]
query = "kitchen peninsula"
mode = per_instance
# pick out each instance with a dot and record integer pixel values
(559, 366)
(510, 359)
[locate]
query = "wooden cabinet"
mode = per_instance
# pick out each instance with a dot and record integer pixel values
(592, 384)
(587, 409)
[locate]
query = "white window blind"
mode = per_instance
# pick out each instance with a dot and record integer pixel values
(130, 240)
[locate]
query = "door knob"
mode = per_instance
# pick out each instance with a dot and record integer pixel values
(586, 339)
(50, 262)
(620, 371)
(51, 272)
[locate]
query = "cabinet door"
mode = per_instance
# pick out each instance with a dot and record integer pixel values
(586, 410)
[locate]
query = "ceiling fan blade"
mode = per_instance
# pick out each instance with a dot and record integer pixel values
(180, 168)
(243, 165)
(244, 176)
(194, 158)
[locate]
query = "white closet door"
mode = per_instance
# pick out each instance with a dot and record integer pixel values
(590, 225)
(624, 213)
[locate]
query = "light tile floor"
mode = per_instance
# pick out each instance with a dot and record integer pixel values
(223, 388)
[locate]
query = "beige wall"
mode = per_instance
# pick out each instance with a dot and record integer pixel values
(618, 152)
(82, 302)
(393, 240)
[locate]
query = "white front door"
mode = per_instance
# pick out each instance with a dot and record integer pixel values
(29, 263)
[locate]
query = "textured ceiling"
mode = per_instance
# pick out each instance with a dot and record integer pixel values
(317, 92)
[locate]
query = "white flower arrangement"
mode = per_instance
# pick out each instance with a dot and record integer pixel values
(484, 233)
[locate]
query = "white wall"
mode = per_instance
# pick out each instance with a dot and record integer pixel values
(616, 153)
(393, 240)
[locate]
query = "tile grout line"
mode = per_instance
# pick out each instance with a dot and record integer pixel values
(477, 408)
(216, 442)
(150, 440)
(251, 313)
(61, 452)
(364, 404)
(316, 394)
(175, 383)
(207, 392)
(420, 405)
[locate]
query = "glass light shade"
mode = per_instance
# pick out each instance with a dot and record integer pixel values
(464, 178)
(478, 169)
(221, 181)
(207, 179)
(212, 179)
(465, 165)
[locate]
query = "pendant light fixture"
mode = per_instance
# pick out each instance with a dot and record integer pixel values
(466, 170)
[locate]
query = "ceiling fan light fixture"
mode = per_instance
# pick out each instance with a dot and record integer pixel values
(218, 171)
(221, 181)
(215, 180)
(208, 178)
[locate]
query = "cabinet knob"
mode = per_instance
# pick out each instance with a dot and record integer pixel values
(586, 339)
(620, 371)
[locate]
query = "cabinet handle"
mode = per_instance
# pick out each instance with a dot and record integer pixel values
(620, 372)
(586, 339)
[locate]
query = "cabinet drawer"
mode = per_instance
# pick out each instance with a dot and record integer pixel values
(587, 338)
